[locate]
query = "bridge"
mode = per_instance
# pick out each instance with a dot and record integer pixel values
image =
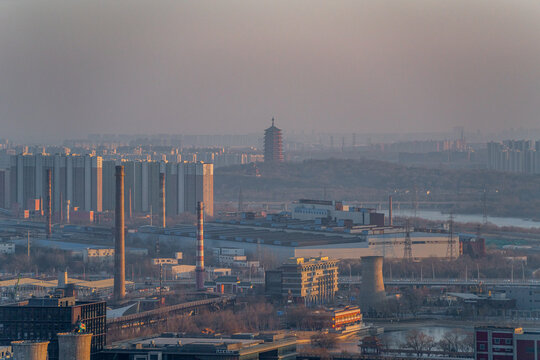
(159, 315)
(356, 280)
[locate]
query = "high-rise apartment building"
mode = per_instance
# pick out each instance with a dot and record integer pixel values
(77, 178)
(273, 144)
(88, 183)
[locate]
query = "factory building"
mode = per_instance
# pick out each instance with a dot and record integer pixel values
(310, 281)
(238, 347)
(43, 318)
(321, 210)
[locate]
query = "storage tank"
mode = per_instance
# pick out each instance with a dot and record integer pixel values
(372, 290)
(29, 350)
(74, 346)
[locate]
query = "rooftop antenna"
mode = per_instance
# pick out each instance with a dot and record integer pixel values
(272, 121)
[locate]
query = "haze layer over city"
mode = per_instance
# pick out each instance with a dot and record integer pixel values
(269, 180)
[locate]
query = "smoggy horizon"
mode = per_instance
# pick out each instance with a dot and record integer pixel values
(69, 69)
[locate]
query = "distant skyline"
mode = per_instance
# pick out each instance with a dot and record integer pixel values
(73, 68)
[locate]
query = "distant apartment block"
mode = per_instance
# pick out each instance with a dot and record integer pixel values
(519, 156)
(98, 255)
(87, 182)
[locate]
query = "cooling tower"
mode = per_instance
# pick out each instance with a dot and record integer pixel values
(199, 269)
(49, 204)
(119, 242)
(74, 346)
(29, 350)
(372, 290)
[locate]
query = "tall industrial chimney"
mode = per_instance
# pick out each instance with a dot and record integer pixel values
(67, 210)
(119, 241)
(162, 198)
(199, 269)
(390, 221)
(49, 204)
(372, 282)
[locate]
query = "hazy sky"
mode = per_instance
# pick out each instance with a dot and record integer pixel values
(69, 68)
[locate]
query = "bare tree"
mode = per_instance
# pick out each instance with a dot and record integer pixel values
(418, 341)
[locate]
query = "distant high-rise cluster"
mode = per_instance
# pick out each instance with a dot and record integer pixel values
(273, 144)
(87, 182)
(519, 156)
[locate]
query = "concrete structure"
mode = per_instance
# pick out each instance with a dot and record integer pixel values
(62, 279)
(200, 247)
(520, 156)
(183, 271)
(164, 261)
(372, 290)
(74, 346)
(273, 144)
(43, 318)
(172, 346)
(526, 297)
(311, 281)
(119, 243)
(506, 343)
(29, 350)
(49, 204)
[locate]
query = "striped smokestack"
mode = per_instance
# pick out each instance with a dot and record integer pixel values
(49, 204)
(119, 256)
(199, 269)
(162, 198)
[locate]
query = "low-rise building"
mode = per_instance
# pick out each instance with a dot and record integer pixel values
(7, 248)
(183, 271)
(171, 346)
(164, 261)
(506, 343)
(98, 255)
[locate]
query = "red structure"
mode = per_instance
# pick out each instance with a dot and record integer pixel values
(199, 269)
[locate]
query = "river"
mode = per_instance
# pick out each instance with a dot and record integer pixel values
(435, 215)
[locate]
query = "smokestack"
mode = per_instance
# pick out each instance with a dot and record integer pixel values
(49, 204)
(119, 243)
(162, 198)
(67, 211)
(199, 269)
(390, 221)
(372, 281)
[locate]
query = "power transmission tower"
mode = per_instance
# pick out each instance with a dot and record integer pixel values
(407, 248)
(450, 248)
(484, 206)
